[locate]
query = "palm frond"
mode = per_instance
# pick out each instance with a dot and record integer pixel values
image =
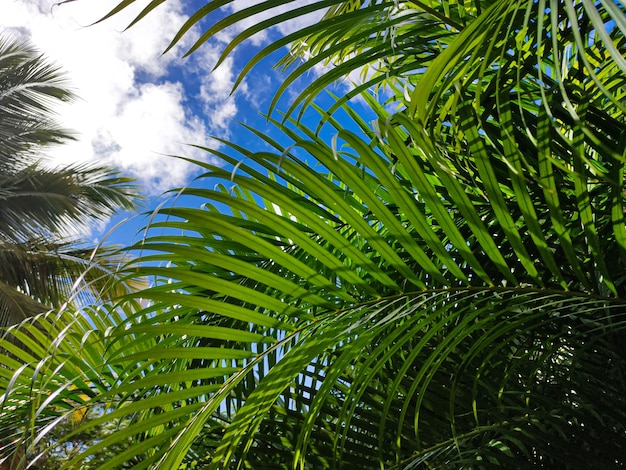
(440, 288)
(354, 248)
(36, 201)
(391, 43)
(41, 211)
(29, 85)
(52, 369)
(42, 274)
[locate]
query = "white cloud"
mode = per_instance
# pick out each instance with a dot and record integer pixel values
(149, 124)
(128, 115)
(215, 89)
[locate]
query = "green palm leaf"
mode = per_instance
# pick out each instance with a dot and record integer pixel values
(440, 289)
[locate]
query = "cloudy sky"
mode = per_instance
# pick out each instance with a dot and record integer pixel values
(136, 105)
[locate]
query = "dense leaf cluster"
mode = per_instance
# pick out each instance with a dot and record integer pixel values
(441, 287)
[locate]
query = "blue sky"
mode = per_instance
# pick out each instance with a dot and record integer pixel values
(137, 106)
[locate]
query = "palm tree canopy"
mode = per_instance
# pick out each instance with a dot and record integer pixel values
(30, 86)
(41, 206)
(442, 287)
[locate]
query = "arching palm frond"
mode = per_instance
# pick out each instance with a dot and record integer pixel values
(369, 293)
(51, 373)
(440, 288)
(392, 43)
(377, 40)
(38, 275)
(37, 201)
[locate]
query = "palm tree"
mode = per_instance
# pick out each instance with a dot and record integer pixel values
(41, 206)
(441, 287)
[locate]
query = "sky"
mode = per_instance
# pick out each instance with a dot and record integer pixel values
(137, 107)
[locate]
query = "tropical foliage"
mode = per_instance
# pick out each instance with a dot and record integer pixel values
(43, 208)
(440, 287)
